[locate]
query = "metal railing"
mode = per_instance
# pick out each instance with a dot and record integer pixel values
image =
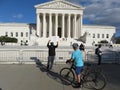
(9, 56)
(107, 56)
(32, 56)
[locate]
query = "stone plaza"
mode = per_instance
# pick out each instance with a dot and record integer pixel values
(25, 75)
(35, 77)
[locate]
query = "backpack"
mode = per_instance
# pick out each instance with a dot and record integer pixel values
(96, 51)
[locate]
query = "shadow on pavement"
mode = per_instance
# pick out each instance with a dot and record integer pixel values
(39, 64)
(111, 71)
(58, 78)
(53, 75)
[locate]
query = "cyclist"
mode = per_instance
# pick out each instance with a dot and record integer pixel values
(76, 57)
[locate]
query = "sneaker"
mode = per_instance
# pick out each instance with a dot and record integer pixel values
(48, 69)
(77, 85)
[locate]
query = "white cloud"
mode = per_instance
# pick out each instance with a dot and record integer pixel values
(19, 16)
(102, 12)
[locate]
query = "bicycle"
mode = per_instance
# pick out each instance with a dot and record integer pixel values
(90, 78)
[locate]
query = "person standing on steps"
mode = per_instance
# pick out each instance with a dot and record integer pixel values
(51, 53)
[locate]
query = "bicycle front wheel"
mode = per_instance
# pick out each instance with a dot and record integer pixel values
(67, 74)
(95, 80)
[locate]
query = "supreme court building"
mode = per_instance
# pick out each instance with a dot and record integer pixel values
(65, 20)
(58, 20)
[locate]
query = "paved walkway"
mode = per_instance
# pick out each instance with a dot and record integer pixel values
(35, 77)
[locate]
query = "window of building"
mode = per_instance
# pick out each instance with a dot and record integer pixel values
(26, 34)
(21, 34)
(107, 36)
(102, 35)
(98, 35)
(93, 35)
(11, 34)
(16, 34)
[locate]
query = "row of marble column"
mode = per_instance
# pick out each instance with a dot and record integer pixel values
(44, 27)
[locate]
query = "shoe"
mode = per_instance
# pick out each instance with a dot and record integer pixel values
(48, 69)
(77, 85)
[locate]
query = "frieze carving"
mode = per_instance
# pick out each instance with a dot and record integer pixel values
(59, 5)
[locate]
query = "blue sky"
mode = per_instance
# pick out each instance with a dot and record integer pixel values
(18, 10)
(21, 11)
(98, 12)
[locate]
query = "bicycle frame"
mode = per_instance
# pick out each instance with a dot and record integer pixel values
(85, 70)
(89, 76)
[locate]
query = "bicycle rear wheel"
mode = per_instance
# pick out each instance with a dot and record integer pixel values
(67, 75)
(94, 80)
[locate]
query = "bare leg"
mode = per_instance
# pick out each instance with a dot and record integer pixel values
(78, 81)
(79, 78)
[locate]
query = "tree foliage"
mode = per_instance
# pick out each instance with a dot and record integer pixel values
(8, 39)
(117, 40)
(104, 41)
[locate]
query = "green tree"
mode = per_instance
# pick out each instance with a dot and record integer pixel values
(8, 39)
(117, 40)
(104, 41)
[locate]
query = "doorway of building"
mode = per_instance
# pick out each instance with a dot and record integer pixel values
(59, 32)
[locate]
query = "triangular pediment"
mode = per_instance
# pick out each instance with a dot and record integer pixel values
(59, 4)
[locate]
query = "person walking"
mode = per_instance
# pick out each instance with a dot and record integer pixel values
(76, 58)
(98, 52)
(51, 53)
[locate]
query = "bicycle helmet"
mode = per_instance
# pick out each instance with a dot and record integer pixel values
(75, 45)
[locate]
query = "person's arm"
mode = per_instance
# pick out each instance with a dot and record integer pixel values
(48, 43)
(72, 57)
(100, 51)
(69, 60)
(56, 45)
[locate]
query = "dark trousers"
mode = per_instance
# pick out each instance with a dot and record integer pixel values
(50, 62)
(99, 59)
